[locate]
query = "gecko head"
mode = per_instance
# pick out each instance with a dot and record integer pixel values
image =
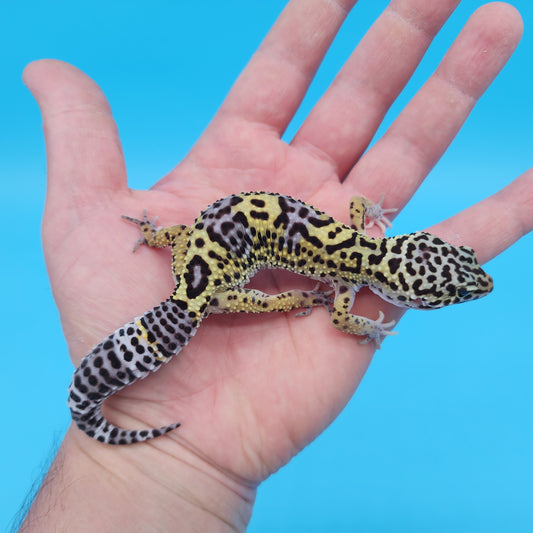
(424, 272)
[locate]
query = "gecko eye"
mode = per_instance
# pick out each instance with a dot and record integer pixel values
(462, 292)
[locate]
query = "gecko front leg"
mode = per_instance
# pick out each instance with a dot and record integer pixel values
(345, 321)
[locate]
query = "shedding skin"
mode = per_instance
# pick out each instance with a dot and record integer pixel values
(228, 243)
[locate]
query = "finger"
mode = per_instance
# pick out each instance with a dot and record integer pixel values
(274, 82)
(345, 119)
(400, 160)
(84, 153)
(495, 223)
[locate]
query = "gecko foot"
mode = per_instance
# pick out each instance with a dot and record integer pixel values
(146, 225)
(378, 216)
(379, 331)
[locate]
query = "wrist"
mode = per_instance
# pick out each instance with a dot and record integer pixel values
(94, 486)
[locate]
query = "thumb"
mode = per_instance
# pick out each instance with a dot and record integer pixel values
(84, 154)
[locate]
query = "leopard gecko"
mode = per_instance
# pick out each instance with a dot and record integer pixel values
(229, 242)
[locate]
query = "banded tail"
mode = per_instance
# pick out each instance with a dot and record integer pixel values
(132, 352)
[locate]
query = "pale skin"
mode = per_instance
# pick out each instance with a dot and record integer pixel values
(247, 404)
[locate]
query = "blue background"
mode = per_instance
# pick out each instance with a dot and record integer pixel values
(439, 435)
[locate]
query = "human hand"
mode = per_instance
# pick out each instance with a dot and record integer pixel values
(247, 404)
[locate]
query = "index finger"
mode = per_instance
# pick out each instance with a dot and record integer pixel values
(275, 80)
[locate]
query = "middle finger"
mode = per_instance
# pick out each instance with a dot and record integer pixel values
(345, 119)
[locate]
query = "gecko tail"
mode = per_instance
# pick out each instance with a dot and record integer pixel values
(95, 425)
(132, 352)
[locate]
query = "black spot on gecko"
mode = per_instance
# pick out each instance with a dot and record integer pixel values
(257, 202)
(394, 264)
(214, 236)
(403, 282)
(197, 276)
(381, 277)
(409, 269)
(223, 212)
(348, 243)
(364, 243)
(213, 255)
(320, 222)
(226, 227)
(375, 259)
(240, 218)
(348, 268)
(397, 248)
(281, 220)
(299, 227)
(113, 359)
(235, 200)
(259, 215)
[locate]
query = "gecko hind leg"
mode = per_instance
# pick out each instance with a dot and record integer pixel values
(254, 301)
(157, 237)
(176, 237)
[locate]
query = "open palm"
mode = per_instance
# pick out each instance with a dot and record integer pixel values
(251, 391)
